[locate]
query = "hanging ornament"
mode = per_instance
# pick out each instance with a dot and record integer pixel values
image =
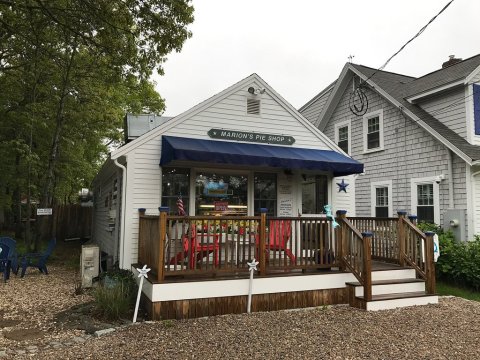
(358, 102)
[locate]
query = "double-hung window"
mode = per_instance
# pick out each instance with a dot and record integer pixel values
(373, 131)
(425, 206)
(381, 206)
(426, 199)
(343, 136)
(381, 198)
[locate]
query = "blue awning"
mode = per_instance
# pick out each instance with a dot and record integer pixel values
(236, 153)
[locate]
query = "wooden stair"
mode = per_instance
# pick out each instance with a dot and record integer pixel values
(391, 289)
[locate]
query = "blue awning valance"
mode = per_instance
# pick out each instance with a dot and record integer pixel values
(237, 153)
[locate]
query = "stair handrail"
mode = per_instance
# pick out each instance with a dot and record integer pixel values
(356, 253)
(418, 252)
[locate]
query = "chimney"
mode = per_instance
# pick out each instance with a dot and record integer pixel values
(452, 60)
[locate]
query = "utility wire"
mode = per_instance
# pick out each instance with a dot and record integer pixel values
(409, 41)
(358, 103)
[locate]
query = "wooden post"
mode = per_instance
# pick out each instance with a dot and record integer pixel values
(401, 237)
(141, 238)
(341, 239)
(412, 249)
(161, 246)
(367, 265)
(430, 263)
(261, 246)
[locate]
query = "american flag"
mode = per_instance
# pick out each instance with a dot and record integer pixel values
(181, 209)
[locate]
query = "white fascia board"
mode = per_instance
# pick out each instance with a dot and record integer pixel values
(415, 98)
(333, 98)
(182, 117)
(472, 75)
(415, 118)
(216, 98)
(294, 112)
(316, 97)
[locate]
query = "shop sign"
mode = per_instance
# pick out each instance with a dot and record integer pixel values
(215, 189)
(44, 211)
(251, 137)
(221, 205)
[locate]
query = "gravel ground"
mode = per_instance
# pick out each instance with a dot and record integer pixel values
(449, 330)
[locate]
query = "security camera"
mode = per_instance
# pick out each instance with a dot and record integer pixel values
(251, 90)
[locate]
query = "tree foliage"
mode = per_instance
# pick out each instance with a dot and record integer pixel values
(69, 70)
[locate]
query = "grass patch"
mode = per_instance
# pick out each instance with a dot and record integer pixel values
(444, 288)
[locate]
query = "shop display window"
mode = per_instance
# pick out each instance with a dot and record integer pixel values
(265, 193)
(221, 194)
(175, 187)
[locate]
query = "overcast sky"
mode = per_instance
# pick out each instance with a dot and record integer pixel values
(300, 46)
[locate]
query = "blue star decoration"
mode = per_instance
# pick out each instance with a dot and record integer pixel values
(342, 186)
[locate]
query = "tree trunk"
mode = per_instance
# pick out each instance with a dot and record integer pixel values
(17, 201)
(45, 225)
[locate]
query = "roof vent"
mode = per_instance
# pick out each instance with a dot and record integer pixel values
(253, 106)
(452, 60)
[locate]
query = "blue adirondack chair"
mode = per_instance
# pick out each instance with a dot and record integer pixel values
(8, 256)
(37, 260)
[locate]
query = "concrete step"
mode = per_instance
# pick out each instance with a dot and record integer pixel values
(394, 286)
(398, 300)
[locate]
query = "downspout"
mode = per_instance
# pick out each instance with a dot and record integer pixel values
(451, 202)
(122, 215)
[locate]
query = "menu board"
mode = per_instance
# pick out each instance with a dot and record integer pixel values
(285, 196)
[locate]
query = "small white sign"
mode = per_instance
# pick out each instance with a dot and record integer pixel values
(44, 211)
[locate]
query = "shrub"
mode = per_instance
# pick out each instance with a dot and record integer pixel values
(459, 262)
(115, 295)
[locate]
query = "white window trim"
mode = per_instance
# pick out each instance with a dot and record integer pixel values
(436, 196)
(472, 138)
(373, 202)
(341, 125)
(378, 113)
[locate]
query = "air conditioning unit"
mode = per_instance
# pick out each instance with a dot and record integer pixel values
(89, 264)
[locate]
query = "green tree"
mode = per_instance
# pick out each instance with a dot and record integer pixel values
(72, 69)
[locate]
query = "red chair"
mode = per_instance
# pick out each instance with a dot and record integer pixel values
(279, 232)
(194, 250)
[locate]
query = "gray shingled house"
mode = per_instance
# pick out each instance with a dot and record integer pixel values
(419, 139)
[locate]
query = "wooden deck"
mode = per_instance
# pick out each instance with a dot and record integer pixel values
(202, 262)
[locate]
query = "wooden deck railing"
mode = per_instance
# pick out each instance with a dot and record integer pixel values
(385, 236)
(226, 244)
(357, 253)
(418, 253)
(149, 240)
(203, 245)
